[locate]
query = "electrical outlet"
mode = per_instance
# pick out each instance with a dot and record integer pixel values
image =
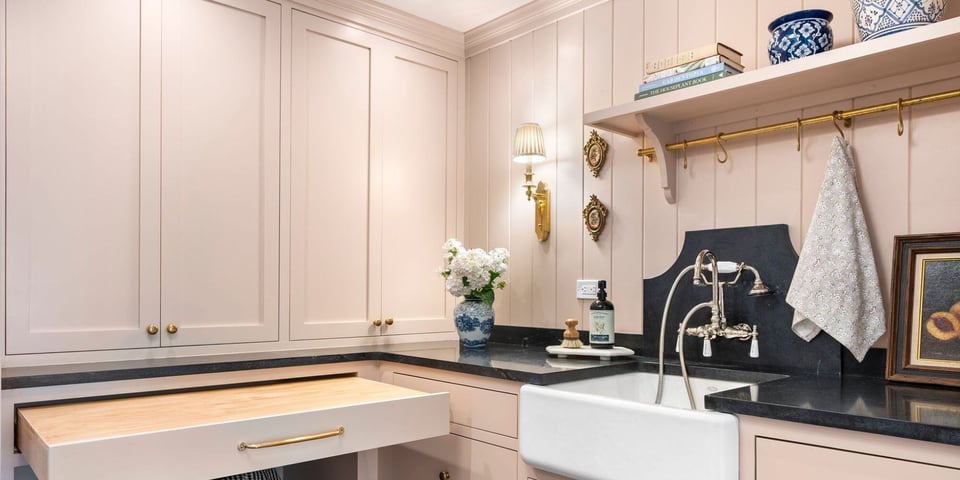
(587, 289)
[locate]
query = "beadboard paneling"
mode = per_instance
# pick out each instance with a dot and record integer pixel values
(597, 61)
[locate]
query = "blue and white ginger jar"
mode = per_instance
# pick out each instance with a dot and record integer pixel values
(474, 320)
(876, 18)
(800, 34)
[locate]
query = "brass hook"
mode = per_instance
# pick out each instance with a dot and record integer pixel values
(837, 115)
(684, 154)
(720, 142)
(899, 117)
(798, 134)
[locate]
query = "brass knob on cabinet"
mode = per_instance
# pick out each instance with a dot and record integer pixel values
(388, 321)
(152, 329)
(377, 322)
(172, 328)
(444, 475)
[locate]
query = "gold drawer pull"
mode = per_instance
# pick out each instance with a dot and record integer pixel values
(287, 441)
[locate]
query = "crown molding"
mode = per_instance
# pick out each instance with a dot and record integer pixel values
(389, 22)
(521, 21)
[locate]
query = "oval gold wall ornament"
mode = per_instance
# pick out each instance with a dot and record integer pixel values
(594, 217)
(595, 152)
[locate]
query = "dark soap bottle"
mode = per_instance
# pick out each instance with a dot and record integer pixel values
(601, 319)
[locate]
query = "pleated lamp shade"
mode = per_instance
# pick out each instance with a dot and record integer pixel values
(528, 144)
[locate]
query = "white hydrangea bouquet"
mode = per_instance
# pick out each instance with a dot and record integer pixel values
(474, 272)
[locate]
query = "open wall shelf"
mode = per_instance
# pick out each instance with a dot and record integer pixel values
(655, 119)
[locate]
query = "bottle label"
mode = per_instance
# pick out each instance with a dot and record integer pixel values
(601, 327)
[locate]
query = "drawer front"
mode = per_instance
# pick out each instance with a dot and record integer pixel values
(783, 460)
(480, 408)
(209, 450)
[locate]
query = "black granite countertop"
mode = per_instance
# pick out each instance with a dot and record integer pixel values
(866, 404)
(863, 404)
(506, 361)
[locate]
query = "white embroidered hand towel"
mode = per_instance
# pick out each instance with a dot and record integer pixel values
(835, 287)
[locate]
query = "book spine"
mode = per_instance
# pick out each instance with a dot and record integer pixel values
(686, 67)
(684, 84)
(683, 76)
(680, 58)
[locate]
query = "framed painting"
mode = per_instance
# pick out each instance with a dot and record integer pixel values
(924, 340)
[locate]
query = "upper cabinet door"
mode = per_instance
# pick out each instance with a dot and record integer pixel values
(417, 197)
(330, 166)
(75, 260)
(220, 171)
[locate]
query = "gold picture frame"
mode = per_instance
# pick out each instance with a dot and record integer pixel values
(925, 322)
(595, 153)
(595, 217)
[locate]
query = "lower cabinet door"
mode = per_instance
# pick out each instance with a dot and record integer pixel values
(448, 457)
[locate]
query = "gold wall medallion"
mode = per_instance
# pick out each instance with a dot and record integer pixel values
(595, 152)
(594, 217)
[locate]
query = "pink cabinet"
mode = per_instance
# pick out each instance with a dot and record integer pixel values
(779, 450)
(373, 183)
(122, 117)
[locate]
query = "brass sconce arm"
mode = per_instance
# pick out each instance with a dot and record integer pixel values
(541, 213)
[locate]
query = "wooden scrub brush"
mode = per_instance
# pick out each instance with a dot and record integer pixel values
(571, 337)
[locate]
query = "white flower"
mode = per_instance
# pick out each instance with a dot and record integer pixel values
(473, 272)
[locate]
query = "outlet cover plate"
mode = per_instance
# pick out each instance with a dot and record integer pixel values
(587, 289)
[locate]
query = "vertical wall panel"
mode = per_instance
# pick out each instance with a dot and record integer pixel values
(544, 297)
(698, 24)
(626, 220)
(735, 27)
(883, 174)
(568, 230)
(660, 26)
(522, 237)
(736, 191)
(499, 162)
(696, 209)
(696, 206)
(597, 94)
(478, 124)
(778, 177)
(934, 195)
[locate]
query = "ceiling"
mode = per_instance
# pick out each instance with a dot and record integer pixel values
(460, 15)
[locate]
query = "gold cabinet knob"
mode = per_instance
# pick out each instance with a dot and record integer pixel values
(172, 328)
(444, 475)
(152, 329)
(388, 321)
(377, 322)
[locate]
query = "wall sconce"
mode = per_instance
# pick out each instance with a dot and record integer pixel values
(528, 149)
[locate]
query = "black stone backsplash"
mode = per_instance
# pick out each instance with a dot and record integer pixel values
(769, 250)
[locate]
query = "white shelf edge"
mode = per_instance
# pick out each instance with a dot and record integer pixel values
(652, 119)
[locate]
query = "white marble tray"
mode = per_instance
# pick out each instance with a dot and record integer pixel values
(586, 351)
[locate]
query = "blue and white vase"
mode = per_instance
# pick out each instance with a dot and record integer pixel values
(474, 320)
(800, 34)
(876, 18)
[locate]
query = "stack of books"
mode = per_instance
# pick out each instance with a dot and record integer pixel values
(689, 68)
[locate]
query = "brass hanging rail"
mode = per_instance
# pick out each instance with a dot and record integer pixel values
(799, 123)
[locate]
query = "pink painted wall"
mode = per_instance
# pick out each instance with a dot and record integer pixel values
(593, 59)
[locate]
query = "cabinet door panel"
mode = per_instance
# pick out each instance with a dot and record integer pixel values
(418, 198)
(220, 170)
(330, 166)
(462, 458)
(782, 460)
(73, 166)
